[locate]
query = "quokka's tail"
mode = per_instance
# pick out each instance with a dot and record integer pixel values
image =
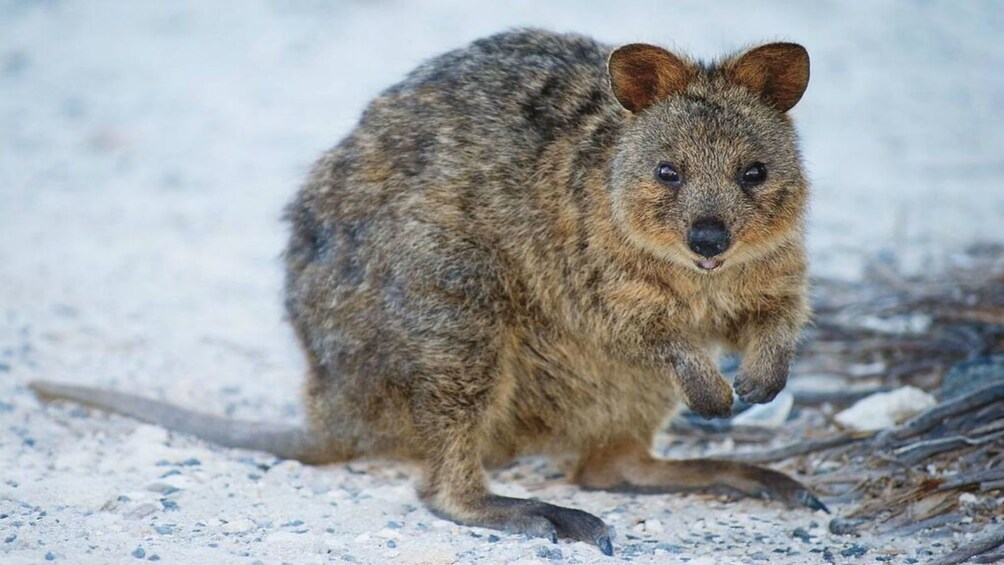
(284, 441)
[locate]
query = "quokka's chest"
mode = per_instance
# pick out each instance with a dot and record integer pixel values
(563, 395)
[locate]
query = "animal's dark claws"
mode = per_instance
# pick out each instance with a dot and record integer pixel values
(603, 542)
(810, 500)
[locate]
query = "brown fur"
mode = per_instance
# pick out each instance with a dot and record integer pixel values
(487, 267)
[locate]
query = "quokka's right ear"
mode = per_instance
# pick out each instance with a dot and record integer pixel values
(642, 74)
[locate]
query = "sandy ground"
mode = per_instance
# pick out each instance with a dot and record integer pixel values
(146, 149)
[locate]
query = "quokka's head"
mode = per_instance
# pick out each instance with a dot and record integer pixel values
(707, 172)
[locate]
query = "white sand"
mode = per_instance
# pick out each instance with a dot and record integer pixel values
(146, 150)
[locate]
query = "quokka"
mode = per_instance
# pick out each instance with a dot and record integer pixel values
(534, 244)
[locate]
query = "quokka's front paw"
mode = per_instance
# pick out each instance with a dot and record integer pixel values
(711, 400)
(760, 380)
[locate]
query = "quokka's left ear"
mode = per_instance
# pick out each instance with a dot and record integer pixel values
(777, 72)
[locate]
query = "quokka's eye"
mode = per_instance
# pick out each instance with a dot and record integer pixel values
(753, 175)
(666, 173)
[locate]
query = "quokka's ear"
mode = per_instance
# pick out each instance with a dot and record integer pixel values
(777, 72)
(642, 74)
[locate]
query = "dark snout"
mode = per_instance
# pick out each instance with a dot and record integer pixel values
(708, 237)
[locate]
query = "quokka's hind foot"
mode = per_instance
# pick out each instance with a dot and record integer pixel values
(457, 490)
(629, 467)
(534, 518)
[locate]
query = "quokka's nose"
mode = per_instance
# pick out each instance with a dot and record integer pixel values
(708, 237)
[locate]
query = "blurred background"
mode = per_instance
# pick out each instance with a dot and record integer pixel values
(147, 148)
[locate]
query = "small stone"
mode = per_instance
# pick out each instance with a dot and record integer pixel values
(139, 553)
(801, 534)
(10, 538)
(163, 530)
(153, 557)
(193, 462)
(669, 547)
(635, 550)
(771, 415)
(854, 551)
(394, 525)
(492, 538)
(50, 556)
(162, 488)
(885, 409)
(388, 533)
(653, 526)
(552, 553)
(843, 527)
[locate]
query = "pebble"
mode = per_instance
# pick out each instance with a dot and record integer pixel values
(163, 530)
(50, 556)
(771, 415)
(634, 550)
(801, 534)
(885, 409)
(388, 533)
(143, 510)
(855, 550)
(238, 526)
(139, 553)
(552, 553)
(843, 526)
(669, 547)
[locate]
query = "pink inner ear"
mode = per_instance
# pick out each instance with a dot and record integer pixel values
(642, 74)
(778, 73)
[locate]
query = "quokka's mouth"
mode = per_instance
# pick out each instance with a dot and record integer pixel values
(709, 264)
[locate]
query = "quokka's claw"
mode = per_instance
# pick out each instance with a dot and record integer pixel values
(810, 500)
(603, 542)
